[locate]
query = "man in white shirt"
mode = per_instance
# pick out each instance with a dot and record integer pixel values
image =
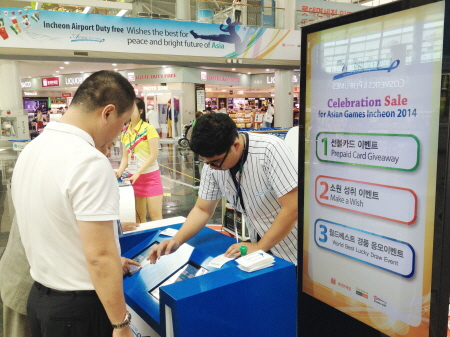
(67, 222)
(257, 173)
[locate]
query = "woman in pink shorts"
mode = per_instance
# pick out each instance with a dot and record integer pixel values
(140, 153)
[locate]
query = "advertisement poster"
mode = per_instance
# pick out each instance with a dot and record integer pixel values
(25, 28)
(372, 115)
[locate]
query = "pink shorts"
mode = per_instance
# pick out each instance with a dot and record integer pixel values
(148, 185)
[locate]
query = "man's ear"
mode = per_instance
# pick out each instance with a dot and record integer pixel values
(236, 144)
(107, 111)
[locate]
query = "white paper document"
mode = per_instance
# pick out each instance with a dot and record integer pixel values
(169, 232)
(219, 261)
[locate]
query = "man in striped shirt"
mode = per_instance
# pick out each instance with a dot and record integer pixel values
(257, 173)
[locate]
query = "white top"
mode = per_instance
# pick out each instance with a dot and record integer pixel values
(269, 172)
(79, 185)
(152, 117)
(237, 5)
(270, 111)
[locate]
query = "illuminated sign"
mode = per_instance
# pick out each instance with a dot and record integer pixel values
(50, 82)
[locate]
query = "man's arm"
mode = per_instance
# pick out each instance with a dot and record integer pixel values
(280, 228)
(105, 268)
(196, 220)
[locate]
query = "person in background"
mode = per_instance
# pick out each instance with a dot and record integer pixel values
(39, 120)
(268, 117)
(71, 240)
(16, 281)
(140, 153)
(169, 118)
(237, 6)
(258, 173)
(152, 118)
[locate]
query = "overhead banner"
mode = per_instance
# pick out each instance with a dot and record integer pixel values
(372, 118)
(22, 28)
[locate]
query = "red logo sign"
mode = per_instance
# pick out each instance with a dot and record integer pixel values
(66, 94)
(50, 82)
(131, 77)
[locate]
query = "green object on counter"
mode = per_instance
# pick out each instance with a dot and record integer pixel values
(243, 250)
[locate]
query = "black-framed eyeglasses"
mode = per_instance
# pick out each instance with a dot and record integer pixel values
(221, 163)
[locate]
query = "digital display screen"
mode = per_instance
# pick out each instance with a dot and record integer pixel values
(189, 270)
(142, 256)
(142, 259)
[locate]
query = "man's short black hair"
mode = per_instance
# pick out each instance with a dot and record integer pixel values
(213, 134)
(102, 88)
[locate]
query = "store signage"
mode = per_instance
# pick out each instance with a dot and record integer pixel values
(203, 76)
(370, 163)
(50, 82)
(85, 32)
(155, 88)
(131, 77)
(266, 79)
(26, 84)
(66, 94)
(74, 80)
(143, 77)
(30, 93)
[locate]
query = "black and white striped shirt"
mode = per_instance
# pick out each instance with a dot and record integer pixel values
(269, 172)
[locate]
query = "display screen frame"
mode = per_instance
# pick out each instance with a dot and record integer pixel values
(440, 283)
(175, 277)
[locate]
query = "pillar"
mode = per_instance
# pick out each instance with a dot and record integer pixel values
(183, 10)
(284, 100)
(188, 108)
(10, 88)
(285, 18)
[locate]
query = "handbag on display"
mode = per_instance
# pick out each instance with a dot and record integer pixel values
(268, 118)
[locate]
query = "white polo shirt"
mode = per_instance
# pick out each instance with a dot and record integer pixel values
(59, 178)
(269, 172)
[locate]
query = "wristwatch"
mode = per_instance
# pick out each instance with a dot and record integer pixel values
(126, 322)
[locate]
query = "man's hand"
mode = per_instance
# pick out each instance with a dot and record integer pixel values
(126, 265)
(164, 248)
(233, 251)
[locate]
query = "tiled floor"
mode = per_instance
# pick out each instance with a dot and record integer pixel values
(180, 178)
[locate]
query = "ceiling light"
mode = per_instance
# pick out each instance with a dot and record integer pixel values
(61, 67)
(164, 66)
(267, 69)
(249, 73)
(66, 62)
(87, 9)
(81, 72)
(57, 71)
(114, 64)
(116, 69)
(122, 12)
(233, 69)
